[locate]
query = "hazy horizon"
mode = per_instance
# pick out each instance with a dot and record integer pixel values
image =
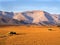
(51, 6)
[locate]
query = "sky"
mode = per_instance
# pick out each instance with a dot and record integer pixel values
(51, 6)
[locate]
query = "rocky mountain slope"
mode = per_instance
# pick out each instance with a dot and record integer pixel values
(29, 17)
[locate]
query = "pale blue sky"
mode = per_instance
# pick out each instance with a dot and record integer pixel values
(51, 6)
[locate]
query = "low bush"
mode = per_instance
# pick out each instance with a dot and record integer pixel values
(12, 33)
(50, 29)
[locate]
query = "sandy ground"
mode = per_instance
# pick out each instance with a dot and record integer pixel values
(29, 35)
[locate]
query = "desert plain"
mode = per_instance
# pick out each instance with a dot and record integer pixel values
(30, 35)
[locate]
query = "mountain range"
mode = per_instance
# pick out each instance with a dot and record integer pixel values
(36, 17)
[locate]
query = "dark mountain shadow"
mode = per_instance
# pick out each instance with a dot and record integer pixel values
(0, 13)
(50, 19)
(23, 22)
(58, 17)
(30, 19)
(15, 21)
(3, 20)
(7, 14)
(48, 23)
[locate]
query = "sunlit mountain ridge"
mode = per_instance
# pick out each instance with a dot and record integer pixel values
(35, 17)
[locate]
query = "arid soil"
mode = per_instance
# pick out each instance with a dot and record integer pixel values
(29, 35)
